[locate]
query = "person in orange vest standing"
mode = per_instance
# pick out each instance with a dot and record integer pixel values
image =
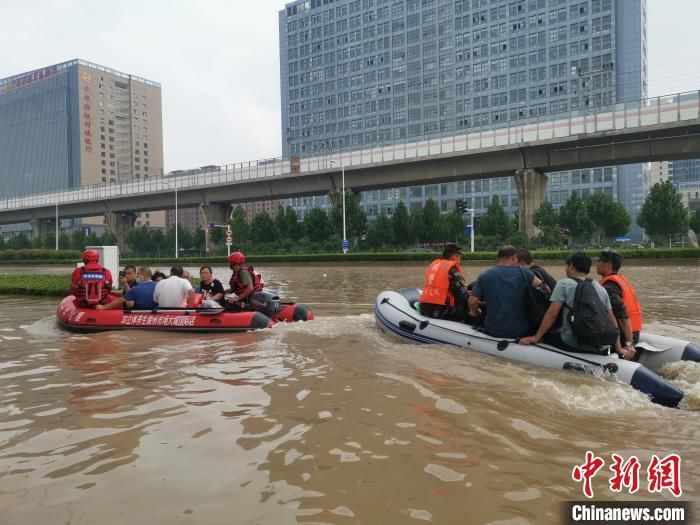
(444, 294)
(623, 299)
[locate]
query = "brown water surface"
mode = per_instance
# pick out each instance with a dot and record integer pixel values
(321, 422)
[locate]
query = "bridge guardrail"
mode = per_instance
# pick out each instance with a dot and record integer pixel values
(628, 115)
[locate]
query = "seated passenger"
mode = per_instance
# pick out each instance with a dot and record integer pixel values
(127, 279)
(174, 291)
(139, 297)
(91, 283)
(578, 266)
(502, 288)
(444, 294)
(210, 288)
(623, 298)
(525, 259)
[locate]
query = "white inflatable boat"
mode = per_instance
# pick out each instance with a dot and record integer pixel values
(396, 314)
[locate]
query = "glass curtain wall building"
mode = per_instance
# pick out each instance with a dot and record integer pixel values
(358, 73)
(75, 124)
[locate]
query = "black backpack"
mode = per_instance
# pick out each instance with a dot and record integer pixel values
(589, 318)
(536, 301)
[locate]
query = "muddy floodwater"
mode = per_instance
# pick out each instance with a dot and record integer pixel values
(321, 422)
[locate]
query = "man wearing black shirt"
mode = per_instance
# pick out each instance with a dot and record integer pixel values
(525, 259)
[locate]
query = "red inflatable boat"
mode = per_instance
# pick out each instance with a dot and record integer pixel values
(80, 319)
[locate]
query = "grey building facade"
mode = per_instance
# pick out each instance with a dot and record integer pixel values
(358, 73)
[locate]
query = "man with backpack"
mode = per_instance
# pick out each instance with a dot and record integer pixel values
(589, 324)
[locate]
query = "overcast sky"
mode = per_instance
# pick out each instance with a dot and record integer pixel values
(218, 64)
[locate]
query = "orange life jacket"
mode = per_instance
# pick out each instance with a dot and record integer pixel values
(237, 286)
(629, 297)
(436, 289)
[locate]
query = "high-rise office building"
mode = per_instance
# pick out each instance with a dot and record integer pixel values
(358, 73)
(76, 124)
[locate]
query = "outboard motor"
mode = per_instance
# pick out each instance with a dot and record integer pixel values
(266, 302)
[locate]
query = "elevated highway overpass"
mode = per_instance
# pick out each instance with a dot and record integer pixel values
(662, 128)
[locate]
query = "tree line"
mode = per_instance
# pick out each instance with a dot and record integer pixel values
(595, 219)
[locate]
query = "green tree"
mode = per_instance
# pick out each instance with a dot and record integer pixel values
(262, 228)
(239, 226)
(380, 232)
(77, 240)
(2, 242)
(316, 225)
(400, 225)
(48, 241)
(454, 226)
(663, 213)
(547, 220)
(496, 222)
(609, 218)
(695, 221)
(64, 242)
(19, 242)
(573, 215)
(158, 245)
(199, 239)
(107, 238)
(294, 228)
(281, 223)
(433, 227)
(416, 225)
(355, 218)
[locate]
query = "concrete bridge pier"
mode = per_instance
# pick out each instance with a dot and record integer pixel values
(531, 194)
(119, 224)
(41, 227)
(215, 213)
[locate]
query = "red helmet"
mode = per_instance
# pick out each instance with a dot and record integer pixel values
(91, 256)
(236, 258)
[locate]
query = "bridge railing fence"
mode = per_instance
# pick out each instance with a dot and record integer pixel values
(626, 115)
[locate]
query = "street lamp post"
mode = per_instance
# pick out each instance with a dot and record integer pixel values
(176, 236)
(461, 207)
(471, 226)
(345, 236)
(57, 227)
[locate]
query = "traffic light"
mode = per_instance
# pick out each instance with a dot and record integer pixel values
(461, 206)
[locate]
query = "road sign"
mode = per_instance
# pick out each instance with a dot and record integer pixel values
(212, 226)
(346, 246)
(622, 239)
(86, 230)
(467, 231)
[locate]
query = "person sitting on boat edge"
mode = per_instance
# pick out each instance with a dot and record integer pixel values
(91, 284)
(502, 288)
(623, 298)
(444, 294)
(210, 288)
(525, 259)
(244, 281)
(139, 296)
(128, 278)
(578, 266)
(174, 291)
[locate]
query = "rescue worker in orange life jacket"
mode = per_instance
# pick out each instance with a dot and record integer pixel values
(444, 294)
(623, 299)
(91, 284)
(244, 281)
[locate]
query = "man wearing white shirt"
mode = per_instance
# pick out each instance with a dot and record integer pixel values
(174, 291)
